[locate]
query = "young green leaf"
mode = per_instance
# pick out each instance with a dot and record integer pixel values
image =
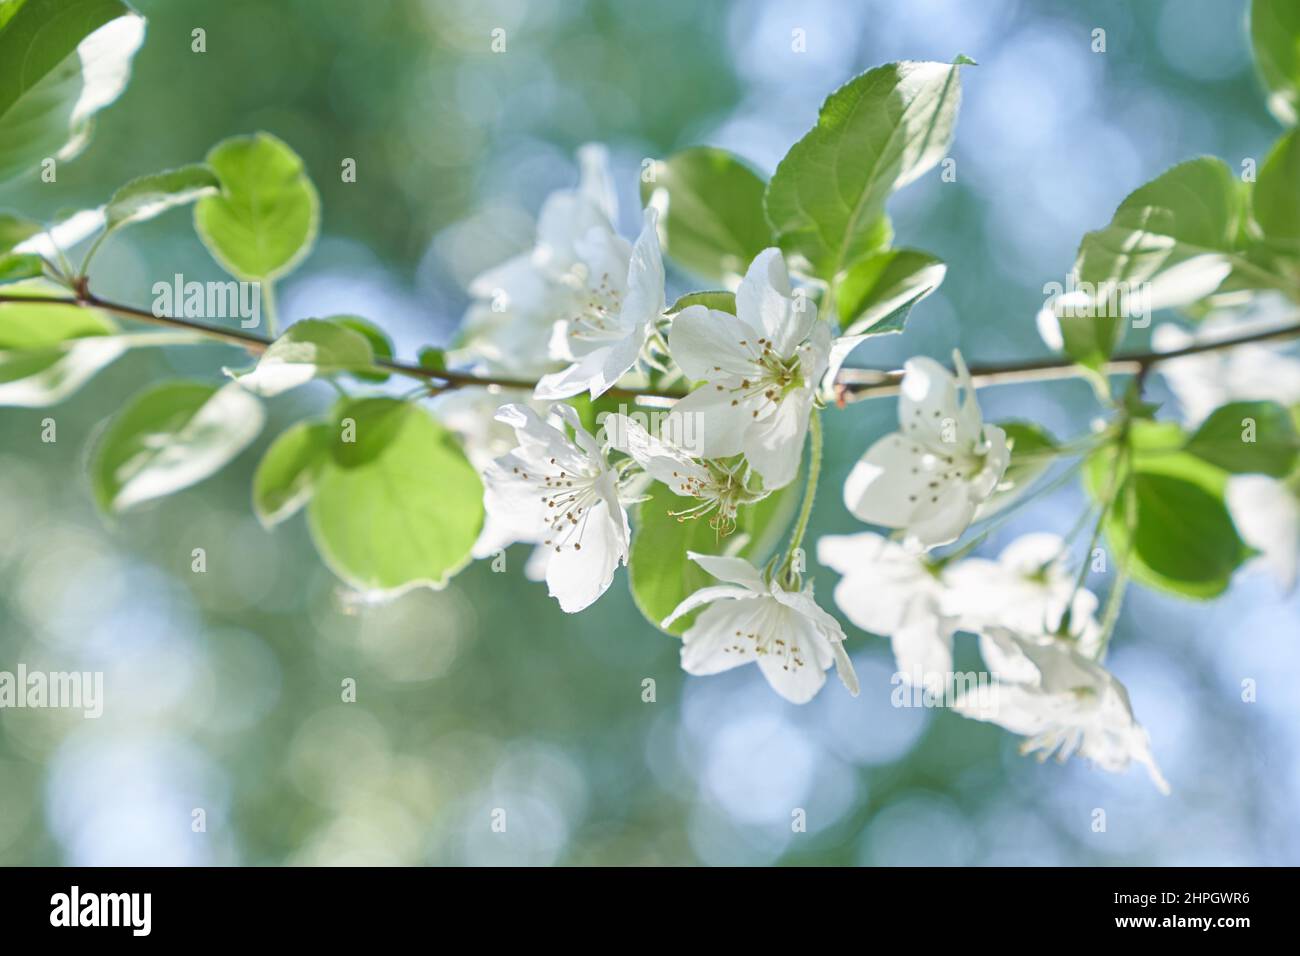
(380, 344)
(874, 135)
(1248, 437)
(264, 220)
(1275, 36)
(1185, 536)
(407, 516)
(714, 225)
(718, 301)
(877, 292)
(61, 61)
(47, 352)
(15, 229)
(661, 575)
(1170, 522)
(15, 267)
(149, 196)
(1277, 194)
(308, 349)
(1171, 242)
(168, 438)
(286, 477)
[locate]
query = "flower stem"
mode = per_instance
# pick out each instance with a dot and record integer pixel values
(788, 573)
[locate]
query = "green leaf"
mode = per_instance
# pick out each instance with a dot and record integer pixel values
(1277, 194)
(407, 516)
(47, 352)
(1248, 437)
(874, 135)
(718, 301)
(61, 61)
(1275, 35)
(15, 267)
(1170, 519)
(286, 477)
(434, 359)
(15, 229)
(150, 196)
(168, 438)
(1171, 242)
(308, 349)
(660, 573)
(714, 225)
(1185, 536)
(877, 292)
(264, 220)
(1032, 453)
(380, 344)
(366, 427)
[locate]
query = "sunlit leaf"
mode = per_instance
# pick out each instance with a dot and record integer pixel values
(49, 351)
(307, 350)
(714, 224)
(168, 438)
(286, 476)
(264, 220)
(874, 135)
(61, 62)
(406, 516)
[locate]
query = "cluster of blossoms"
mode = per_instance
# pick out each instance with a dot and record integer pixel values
(585, 311)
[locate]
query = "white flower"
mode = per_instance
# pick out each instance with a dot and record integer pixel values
(471, 414)
(718, 487)
(621, 296)
(566, 494)
(509, 324)
(929, 477)
(1061, 701)
(1026, 589)
(761, 368)
(891, 591)
(748, 619)
(1267, 514)
(1203, 382)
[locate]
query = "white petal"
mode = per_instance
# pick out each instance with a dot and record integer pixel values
(706, 344)
(766, 302)
(732, 570)
(899, 483)
(717, 640)
(709, 595)
(923, 647)
(661, 460)
(717, 421)
(576, 578)
(644, 301)
(774, 445)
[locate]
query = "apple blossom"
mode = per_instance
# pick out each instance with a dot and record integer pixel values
(751, 619)
(1062, 703)
(891, 591)
(619, 295)
(760, 369)
(565, 493)
(929, 477)
(1026, 589)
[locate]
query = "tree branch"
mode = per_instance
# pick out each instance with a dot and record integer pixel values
(852, 384)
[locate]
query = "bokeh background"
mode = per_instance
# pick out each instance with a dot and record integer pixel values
(223, 688)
